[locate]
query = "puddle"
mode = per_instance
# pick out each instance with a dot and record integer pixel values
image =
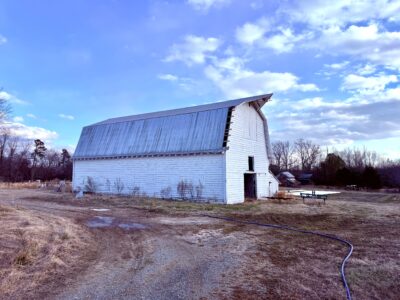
(102, 222)
(131, 226)
(100, 209)
(98, 222)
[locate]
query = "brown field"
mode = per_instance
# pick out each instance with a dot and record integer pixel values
(153, 249)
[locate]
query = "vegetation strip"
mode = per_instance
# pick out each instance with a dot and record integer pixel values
(332, 237)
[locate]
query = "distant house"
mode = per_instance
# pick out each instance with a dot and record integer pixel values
(305, 178)
(287, 179)
(215, 152)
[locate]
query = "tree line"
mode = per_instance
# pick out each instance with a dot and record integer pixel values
(23, 160)
(350, 166)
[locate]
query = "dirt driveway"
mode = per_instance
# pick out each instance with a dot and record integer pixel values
(56, 247)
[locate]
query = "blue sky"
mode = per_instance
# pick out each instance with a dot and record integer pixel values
(333, 67)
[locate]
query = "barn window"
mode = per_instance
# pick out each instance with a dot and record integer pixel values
(251, 163)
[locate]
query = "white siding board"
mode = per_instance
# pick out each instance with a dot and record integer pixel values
(247, 139)
(151, 174)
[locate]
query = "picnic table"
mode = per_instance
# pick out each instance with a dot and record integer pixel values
(313, 195)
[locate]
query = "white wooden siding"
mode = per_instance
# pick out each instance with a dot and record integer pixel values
(152, 174)
(247, 139)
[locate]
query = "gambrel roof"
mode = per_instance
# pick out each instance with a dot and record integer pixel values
(192, 130)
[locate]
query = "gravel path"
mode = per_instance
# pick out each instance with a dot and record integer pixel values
(156, 258)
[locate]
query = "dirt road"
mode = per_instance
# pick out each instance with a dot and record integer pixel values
(133, 254)
(56, 247)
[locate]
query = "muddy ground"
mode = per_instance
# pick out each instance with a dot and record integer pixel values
(55, 247)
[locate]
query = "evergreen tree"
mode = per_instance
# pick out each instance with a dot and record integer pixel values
(38, 153)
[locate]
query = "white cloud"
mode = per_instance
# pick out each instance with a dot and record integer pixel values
(258, 4)
(3, 39)
(18, 119)
(284, 40)
(205, 5)
(331, 26)
(367, 69)
(367, 85)
(323, 14)
(264, 34)
(343, 117)
(32, 116)
(67, 117)
(337, 66)
(11, 98)
(168, 77)
(31, 132)
(251, 32)
(234, 80)
(360, 117)
(193, 50)
(366, 42)
(317, 102)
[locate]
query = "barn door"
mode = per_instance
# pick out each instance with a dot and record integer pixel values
(250, 186)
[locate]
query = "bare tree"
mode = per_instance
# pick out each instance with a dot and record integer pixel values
(308, 153)
(359, 158)
(347, 156)
(52, 159)
(4, 137)
(5, 108)
(371, 158)
(288, 157)
(277, 151)
(284, 154)
(12, 147)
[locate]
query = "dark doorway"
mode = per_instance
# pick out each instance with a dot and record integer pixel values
(250, 186)
(251, 163)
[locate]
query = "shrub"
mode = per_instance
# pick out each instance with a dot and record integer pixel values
(185, 189)
(119, 185)
(108, 185)
(135, 192)
(199, 190)
(166, 193)
(90, 185)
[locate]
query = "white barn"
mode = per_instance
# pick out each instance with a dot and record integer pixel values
(215, 152)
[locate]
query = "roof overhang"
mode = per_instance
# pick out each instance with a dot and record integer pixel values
(260, 102)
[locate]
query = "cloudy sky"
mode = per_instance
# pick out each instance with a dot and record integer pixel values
(333, 66)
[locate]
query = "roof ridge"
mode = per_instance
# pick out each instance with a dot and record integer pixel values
(185, 110)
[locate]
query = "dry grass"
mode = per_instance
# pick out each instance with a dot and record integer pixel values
(277, 264)
(36, 251)
(300, 266)
(284, 195)
(36, 185)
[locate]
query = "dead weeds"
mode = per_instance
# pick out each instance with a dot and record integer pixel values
(34, 255)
